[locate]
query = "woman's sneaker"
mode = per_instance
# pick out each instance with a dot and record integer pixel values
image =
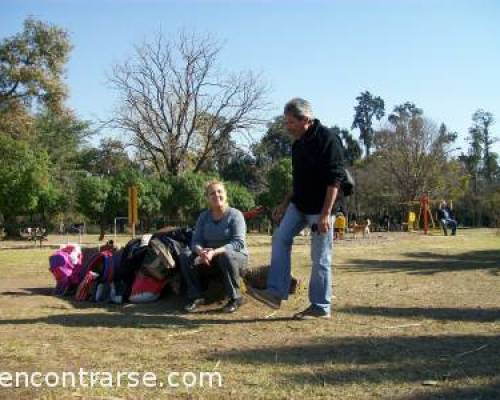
(312, 312)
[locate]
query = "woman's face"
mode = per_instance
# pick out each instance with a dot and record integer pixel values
(216, 196)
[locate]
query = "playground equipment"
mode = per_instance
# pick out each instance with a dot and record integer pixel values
(425, 213)
(424, 216)
(412, 218)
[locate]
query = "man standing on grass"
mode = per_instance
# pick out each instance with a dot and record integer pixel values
(317, 162)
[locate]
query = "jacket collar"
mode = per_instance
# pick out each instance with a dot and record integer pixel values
(310, 134)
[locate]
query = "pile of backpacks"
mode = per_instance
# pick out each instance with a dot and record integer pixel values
(138, 273)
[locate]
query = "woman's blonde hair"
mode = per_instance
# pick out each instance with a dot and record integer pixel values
(213, 183)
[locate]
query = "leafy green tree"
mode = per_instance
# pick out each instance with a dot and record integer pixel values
(153, 194)
(274, 145)
(239, 197)
(110, 195)
(109, 159)
(352, 148)
(368, 107)
(492, 205)
(149, 191)
(52, 200)
(481, 165)
(32, 110)
(23, 176)
(472, 160)
(376, 192)
(242, 169)
(279, 180)
(31, 73)
(61, 135)
(92, 198)
(406, 116)
(481, 129)
(188, 197)
(183, 197)
(117, 200)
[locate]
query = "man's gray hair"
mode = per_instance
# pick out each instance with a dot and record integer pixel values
(299, 108)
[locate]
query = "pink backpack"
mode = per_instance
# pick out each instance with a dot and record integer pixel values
(65, 265)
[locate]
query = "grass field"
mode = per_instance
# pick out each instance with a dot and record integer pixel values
(415, 317)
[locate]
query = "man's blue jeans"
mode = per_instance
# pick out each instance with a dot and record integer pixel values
(320, 285)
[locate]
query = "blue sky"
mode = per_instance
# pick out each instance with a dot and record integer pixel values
(442, 55)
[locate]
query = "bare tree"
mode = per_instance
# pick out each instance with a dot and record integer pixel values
(179, 107)
(414, 152)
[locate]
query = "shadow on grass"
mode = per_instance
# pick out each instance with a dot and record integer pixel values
(136, 319)
(472, 392)
(432, 263)
(167, 312)
(442, 314)
(35, 291)
(108, 320)
(449, 360)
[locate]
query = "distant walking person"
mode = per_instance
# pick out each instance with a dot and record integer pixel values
(447, 219)
(317, 163)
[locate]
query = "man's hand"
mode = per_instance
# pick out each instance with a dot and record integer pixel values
(324, 219)
(279, 211)
(324, 223)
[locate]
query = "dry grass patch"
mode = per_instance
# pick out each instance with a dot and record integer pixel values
(415, 318)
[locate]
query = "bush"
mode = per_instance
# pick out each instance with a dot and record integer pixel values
(239, 197)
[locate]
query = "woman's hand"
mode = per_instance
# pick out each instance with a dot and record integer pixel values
(204, 257)
(207, 255)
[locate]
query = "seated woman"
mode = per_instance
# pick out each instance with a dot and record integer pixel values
(218, 242)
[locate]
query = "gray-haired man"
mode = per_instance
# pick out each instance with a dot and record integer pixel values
(317, 162)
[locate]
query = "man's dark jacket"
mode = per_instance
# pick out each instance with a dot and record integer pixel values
(318, 162)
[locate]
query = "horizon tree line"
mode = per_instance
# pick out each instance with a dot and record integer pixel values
(182, 119)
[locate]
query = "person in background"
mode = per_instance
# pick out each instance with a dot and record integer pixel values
(447, 218)
(219, 241)
(340, 225)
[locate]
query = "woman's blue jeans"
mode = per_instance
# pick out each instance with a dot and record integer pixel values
(320, 285)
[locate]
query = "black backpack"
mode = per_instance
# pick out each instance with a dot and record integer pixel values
(347, 184)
